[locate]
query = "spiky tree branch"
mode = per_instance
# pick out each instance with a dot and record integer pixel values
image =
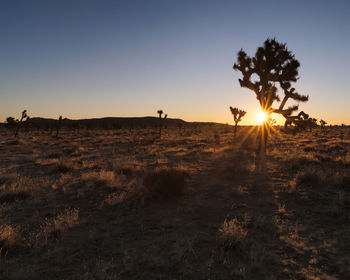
(24, 115)
(160, 113)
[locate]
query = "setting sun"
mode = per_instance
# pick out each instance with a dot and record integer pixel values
(262, 116)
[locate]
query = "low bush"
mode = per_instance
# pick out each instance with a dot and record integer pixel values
(163, 183)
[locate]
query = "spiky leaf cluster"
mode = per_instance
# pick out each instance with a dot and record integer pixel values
(237, 114)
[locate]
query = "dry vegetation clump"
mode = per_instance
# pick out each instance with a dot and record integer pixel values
(10, 237)
(234, 165)
(239, 190)
(65, 164)
(115, 198)
(101, 178)
(310, 178)
(125, 167)
(163, 183)
(54, 228)
(296, 163)
(232, 234)
(20, 188)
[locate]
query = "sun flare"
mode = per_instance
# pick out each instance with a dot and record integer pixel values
(262, 116)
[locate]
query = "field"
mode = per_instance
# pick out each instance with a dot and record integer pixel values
(124, 204)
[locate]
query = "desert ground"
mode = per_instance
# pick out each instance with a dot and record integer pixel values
(124, 204)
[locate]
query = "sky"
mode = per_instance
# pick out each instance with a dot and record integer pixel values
(87, 59)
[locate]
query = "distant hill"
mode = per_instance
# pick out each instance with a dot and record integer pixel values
(118, 122)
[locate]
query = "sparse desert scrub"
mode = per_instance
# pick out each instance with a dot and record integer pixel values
(10, 237)
(103, 178)
(53, 228)
(115, 198)
(232, 234)
(239, 190)
(66, 164)
(310, 178)
(300, 162)
(163, 183)
(17, 188)
(234, 165)
(116, 234)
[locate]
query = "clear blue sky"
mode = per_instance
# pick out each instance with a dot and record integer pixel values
(82, 58)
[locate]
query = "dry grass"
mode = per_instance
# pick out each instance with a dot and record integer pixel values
(100, 270)
(232, 234)
(52, 229)
(10, 238)
(17, 188)
(66, 164)
(156, 209)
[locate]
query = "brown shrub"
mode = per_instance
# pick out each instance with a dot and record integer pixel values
(19, 189)
(163, 183)
(65, 165)
(55, 227)
(10, 237)
(309, 178)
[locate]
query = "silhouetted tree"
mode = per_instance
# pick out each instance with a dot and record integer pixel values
(323, 123)
(272, 122)
(272, 65)
(24, 115)
(237, 116)
(160, 113)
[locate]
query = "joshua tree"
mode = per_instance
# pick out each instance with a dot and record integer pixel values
(323, 123)
(160, 113)
(24, 115)
(58, 126)
(272, 65)
(237, 116)
(272, 122)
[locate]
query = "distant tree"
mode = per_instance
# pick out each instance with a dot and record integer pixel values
(24, 115)
(272, 122)
(272, 65)
(160, 113)
(323, 123)
(237, 116)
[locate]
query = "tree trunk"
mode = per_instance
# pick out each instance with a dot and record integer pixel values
(235, 131)
(262, 141)
(160, 128)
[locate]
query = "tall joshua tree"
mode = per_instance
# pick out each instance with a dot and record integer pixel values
(237, 116)
(24, 115)
(273, 65)
(160, 113)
